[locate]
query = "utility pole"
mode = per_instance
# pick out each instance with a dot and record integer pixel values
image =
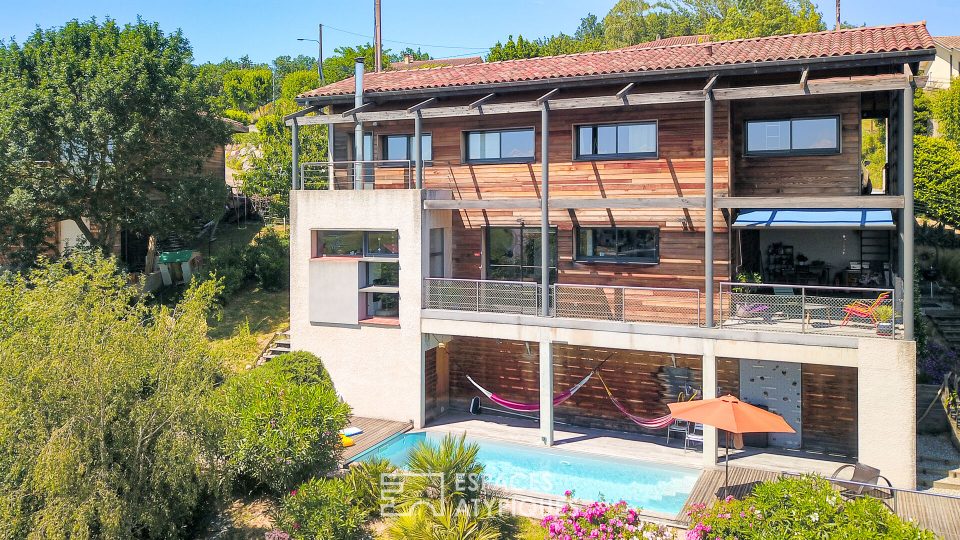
(838, 16)
(377, 41)
(320, 54)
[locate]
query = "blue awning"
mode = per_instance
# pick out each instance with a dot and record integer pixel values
(816, 219)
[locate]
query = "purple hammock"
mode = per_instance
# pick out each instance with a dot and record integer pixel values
(531, 407)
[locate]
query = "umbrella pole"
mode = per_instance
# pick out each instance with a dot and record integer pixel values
(726, 463)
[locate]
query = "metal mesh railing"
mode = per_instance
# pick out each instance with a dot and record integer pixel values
(513, 297)
(809, 309)
(376, 174)
(627, 304)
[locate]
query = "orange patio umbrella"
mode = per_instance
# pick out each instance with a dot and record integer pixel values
(731, 415)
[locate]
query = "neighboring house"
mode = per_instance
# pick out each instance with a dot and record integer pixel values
(942, 69)
(409, 63)
(408, 276)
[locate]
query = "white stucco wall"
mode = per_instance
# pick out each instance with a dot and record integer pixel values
(886, 409)
(378, 370)
(940, 71)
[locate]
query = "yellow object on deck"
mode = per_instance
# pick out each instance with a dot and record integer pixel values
(347, 442)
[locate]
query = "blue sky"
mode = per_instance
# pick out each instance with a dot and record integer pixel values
(265, 29)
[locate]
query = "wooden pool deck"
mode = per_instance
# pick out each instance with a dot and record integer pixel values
(375, 431)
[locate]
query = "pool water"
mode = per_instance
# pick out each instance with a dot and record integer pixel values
(651, 486)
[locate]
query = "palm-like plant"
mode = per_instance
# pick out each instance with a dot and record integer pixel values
(448, 471)
(446, 521)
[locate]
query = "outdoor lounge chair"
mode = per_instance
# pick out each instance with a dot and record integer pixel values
(865, 481)
(679, 426)
(695, 436)
(863, 310)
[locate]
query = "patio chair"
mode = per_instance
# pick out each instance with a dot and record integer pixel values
(791, 305)
(865, 481)
(695, 436)
(862, 310)
(678, 426)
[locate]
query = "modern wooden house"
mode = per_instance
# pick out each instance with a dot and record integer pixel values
(527, 222)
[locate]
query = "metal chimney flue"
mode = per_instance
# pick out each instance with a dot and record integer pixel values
(358, 126)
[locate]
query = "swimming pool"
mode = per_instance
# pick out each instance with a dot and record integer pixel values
(651, 486)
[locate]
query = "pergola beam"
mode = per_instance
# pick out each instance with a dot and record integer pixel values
(481, 101)
(546, 97)
(839, 85)
(710, 84)
(622, 94)
(422, 104)
(301, 112)
(803, 79)
(352, 112)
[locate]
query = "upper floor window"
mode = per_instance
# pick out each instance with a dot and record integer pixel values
(793, 136)
(400, 147)
(513, 253)
(615, 244)
(500, 146)
(331, 243)
(617, 141)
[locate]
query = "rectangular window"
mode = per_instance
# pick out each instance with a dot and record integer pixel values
(513, 254)
(619, 245)
(383, 305)
(617, 141)
(503, 146)
(339, 243)
(793, 136)
(383, 274)
(331, 243)
(381, 244)
(436, 253)
(400, 147)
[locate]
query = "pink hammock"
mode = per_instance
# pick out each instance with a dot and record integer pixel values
(661, 422)
(531, 407)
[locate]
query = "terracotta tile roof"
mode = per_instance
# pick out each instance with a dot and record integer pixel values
(855, 41)
(667, 42)
(951, 42)
(435, 62)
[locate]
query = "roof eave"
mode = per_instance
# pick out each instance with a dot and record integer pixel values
(855, 60)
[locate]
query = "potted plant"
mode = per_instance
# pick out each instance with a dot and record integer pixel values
(884, 315)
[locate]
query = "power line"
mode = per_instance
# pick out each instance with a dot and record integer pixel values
(407, 42)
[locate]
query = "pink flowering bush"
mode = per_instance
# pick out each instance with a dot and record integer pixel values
(601, 521)
(799, 508)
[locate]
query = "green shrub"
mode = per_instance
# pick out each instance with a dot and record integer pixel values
(366, 483)
(937, 178)
(268, 259)
(280, 422)
(322, 508)
(237, 115)
(800, 508)
(231, 268)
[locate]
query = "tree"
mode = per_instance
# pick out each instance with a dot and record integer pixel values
(734, 19)
(946, 110)
(630, 22)
(102, 429)
(108, 123)
(922, 112)
(343, 62)
(285, 65)
(414, 54)
(247, 89)
(298, 82)
(936, 171)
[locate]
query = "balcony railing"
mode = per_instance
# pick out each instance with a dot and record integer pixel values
(840, 311)
(371, 174)
(605, 303)
(809, 309)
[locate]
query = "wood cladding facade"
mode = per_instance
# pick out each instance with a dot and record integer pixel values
(636, 378)
(677, 170)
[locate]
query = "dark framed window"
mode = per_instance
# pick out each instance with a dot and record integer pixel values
(381, 244)
(619, 245)
(513, 254)
(500, 146)
(339, 243)
(793, 136)
(617, 141)
(334, 243)
(382, 274)
(436, 253)
(400, 147)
